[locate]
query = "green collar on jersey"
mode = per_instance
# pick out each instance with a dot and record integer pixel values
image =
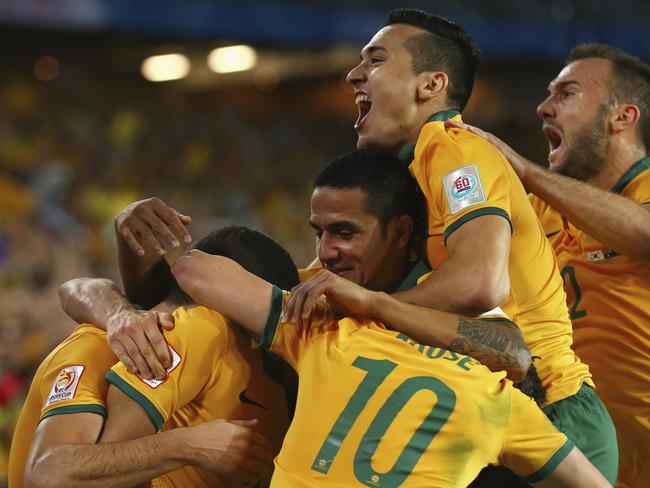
(419, 269)
(635, 170)
(407, 154)
(444, 115)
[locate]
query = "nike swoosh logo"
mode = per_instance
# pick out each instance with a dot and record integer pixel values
(244, 399)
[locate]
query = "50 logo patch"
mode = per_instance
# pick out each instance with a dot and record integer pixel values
(463, 188)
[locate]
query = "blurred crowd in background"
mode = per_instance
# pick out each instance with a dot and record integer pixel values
(74, 153)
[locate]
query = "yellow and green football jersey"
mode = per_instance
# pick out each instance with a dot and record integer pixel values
(217, 372)
(463, 177)
(69, 380)
(375, 408)
(609, 301)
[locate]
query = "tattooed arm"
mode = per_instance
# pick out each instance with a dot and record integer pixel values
(497, 343)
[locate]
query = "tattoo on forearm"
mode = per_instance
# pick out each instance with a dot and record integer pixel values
(498, 344)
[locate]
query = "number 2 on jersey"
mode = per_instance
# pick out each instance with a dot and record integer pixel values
(377, 371)
(570, 272)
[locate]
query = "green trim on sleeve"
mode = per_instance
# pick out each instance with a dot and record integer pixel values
(551, 464)
(155, 416)
(635, 170)
(266, 340)
(476, 213)
(90, 408)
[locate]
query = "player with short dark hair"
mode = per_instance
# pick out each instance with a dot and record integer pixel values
(66, 407)
(444, 47)
(593, 203)
(353, 193)
(389, 189)
(377, 408)
(630, 80)
(484, 241)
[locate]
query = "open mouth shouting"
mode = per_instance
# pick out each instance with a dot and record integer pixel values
(555, 141)
(363, 104)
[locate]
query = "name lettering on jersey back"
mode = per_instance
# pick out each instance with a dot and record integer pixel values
(463, 362)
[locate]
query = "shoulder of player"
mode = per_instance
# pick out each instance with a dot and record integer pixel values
(200, 322)
(460, 142)
(539, 205)
(77, 345)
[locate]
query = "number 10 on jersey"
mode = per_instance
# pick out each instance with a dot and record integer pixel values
(377, 372)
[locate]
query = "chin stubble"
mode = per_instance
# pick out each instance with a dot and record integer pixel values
(586, 157)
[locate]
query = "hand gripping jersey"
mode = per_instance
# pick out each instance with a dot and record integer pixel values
(217, 372)
(609, 301)
(377, 409)
(463, 177)
(69, 380)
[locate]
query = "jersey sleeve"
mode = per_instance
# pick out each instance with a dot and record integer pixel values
(73, 380)
(288, 340)
(197, 344)
(532, 447)
(464, 177)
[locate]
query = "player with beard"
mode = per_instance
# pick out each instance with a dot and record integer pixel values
(484, 241)
(593, 202)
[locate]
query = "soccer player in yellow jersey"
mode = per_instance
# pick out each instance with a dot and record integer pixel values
(376, 408)
(62, 418)
(593, 204)
(215, 374)
(484, 241)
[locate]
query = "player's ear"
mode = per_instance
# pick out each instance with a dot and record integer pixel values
(432, 85)
(623, 117)
(403, 230)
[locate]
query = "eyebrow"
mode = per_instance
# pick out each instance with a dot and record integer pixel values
(562, 84)
(341, 224)
(372, 49)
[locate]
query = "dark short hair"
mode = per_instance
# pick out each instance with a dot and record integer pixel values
(254, 251)
(631, 80)
(390, 189)
(444, 47)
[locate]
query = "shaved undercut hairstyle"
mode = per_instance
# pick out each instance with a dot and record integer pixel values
(630, 80)
(444, 47)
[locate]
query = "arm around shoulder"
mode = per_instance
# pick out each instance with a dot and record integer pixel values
(614, 220)
(474, 279)
(222, 284)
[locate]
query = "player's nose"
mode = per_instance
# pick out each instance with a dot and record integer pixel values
(355, 75)
(545, 109)
(328, 253)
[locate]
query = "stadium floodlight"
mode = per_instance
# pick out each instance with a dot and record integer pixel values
(232, 58)
(165, 67)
